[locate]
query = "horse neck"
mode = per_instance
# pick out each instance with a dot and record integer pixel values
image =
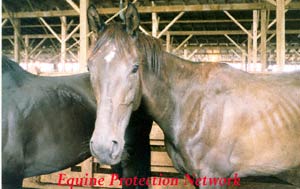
(162, 91)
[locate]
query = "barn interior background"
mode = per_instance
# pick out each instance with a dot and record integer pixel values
(51, 37)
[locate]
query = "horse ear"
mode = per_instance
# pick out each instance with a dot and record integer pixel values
(132, 19)
(96, 24)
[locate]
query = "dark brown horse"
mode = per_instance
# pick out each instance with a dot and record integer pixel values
(47, 123)
(217, 121)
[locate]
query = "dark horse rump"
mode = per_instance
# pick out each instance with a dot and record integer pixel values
(47, 123)
(217, 121)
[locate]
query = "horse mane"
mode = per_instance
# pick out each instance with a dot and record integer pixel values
(152, 50)
(10, 66)
(12, 73)
(149, 48)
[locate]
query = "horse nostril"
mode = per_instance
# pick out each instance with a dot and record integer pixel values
(114, 149)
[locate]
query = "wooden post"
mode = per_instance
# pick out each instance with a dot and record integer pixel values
(84, 45)
(254, 34)
(280, 33)
(249, 53)
(255, 26)
(263, 40)
(87, 167)
(168, 42)
(26, 48)
(154, 22)
(244, 65)
(17, 43)
(185, 52)
(63, 41)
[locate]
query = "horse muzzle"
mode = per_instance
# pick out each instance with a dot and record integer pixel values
(108, 153)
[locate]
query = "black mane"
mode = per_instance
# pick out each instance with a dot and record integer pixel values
(13, 73)
(11, 66)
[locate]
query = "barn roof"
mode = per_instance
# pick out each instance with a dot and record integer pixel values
(201, 23)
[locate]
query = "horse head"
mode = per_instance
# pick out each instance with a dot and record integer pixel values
(114, 67)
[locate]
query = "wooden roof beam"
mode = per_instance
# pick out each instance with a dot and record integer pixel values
(37, 46)
(182, 43)
(235, 44)
(161, 22)
(170, 24)
(50, 29)
(4, 22)
(273, 2)
(161, 9)
(238, 24)
(116, 13)
(173, 33)
(74, 6)
(222, 32)
(192, 54)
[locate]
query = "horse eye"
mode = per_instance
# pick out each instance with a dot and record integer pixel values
(135, 68)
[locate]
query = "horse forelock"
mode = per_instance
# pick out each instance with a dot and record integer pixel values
(148, 48)
(113, 34)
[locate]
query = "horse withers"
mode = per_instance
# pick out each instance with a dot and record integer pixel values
(47, 123)
(218, 121)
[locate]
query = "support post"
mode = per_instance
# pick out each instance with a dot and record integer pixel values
(254, 41)
(154, 22)
(271, 24)
(168, 42)
(84, 45)
(280, 34)
(244, 64)
(63, 20)
(17, 43)
(263, 40)
(249, 53)
(26, 53)
(185, 52)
